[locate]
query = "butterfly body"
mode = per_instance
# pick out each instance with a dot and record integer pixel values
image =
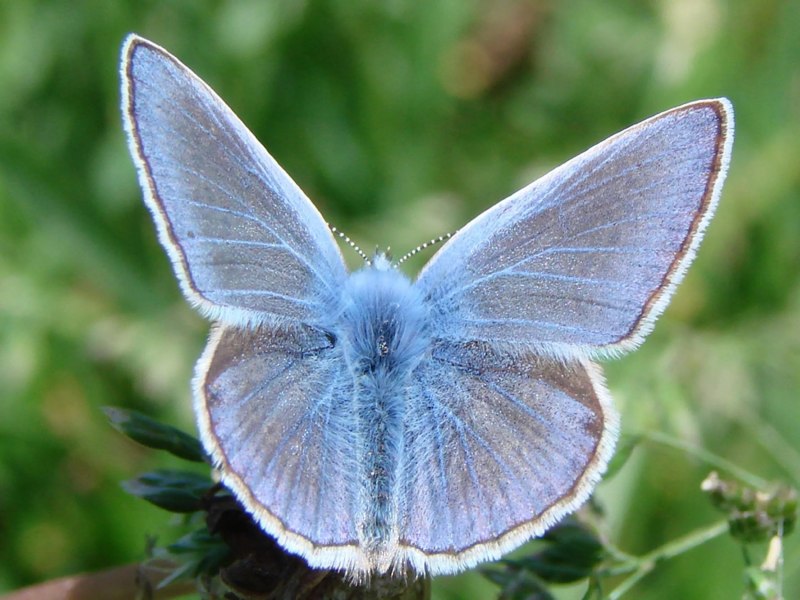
(370, 422)
(383, 328)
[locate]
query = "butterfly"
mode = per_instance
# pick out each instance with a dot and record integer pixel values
(371, 423)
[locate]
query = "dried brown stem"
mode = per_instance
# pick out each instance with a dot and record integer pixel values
(120, 583)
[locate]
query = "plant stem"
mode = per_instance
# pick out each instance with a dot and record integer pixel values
(775, 443)
(642, 565)
(708, 457)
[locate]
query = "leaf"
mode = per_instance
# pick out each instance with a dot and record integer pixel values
(625, 447)
(151, 433)
(518, 585)
(571, 554)
(175, 491)
(200, 552)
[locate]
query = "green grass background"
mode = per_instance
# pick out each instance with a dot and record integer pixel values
(401, 120)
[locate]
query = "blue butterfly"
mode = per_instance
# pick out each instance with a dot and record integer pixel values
(371, 423)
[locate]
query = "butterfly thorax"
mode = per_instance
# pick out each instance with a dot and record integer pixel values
(382, 327)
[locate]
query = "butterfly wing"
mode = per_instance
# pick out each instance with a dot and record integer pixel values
(497, 449)
(584, 259)
(511, 425)
(245, 242)
(272, 409)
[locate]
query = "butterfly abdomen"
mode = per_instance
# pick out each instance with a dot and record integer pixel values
(383, 328)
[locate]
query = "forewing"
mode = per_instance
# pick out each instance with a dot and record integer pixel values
(585, 258)
(274, 409)
(245, 242)
(497, 449)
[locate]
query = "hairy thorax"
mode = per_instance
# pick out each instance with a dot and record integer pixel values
(382, 328)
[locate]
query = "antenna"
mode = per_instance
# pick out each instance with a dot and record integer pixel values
(350, 243)
(421, 247)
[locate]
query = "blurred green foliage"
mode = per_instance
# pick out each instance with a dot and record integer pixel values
(402, 120)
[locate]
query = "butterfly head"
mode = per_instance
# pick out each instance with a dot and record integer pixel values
(382, 261)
